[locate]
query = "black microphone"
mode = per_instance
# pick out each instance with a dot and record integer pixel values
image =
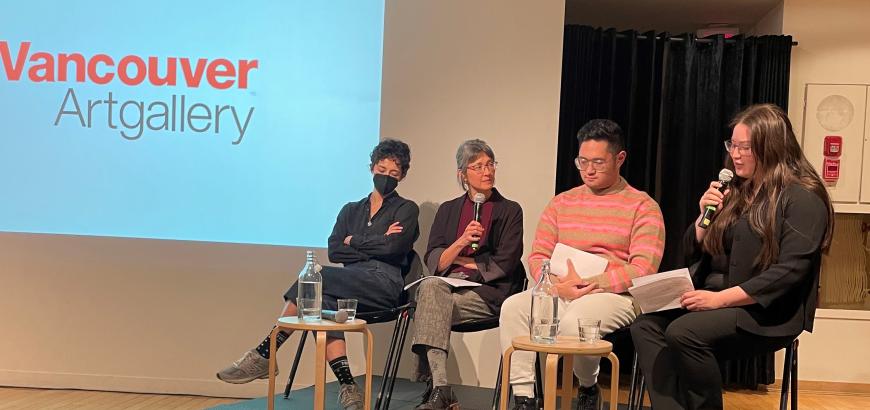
(339, 316)
(725, 176)
(478, 199)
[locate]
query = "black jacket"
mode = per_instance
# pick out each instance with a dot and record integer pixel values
(499, 260)
(368, 240)
(786, 292)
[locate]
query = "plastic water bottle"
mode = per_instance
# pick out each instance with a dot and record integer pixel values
(309, 300)
(544, 317)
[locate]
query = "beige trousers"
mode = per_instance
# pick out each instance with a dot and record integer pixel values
(615, 311)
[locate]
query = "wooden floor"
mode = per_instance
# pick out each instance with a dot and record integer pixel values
(759, 400)
(25, 398)
(39, 399)
(807, 400)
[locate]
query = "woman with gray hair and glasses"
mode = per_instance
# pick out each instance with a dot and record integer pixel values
(477, 237)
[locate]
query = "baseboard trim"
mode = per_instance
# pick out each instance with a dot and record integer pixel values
(815, 386)
(137, 384)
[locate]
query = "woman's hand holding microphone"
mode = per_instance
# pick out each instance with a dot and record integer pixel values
(711, 197)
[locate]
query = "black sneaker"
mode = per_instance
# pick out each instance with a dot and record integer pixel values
(589, 398)
(527, 403)
(426, 393)
(442, 398)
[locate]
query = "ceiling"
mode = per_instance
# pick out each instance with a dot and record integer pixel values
(674, 16)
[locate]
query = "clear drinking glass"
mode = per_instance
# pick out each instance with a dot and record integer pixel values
(349, 306)
(590, 330)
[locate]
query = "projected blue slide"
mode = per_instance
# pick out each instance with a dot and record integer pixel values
(246, 122)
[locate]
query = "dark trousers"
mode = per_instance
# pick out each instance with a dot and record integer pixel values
(679, 352)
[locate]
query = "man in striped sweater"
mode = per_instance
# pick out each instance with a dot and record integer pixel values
(604, 216)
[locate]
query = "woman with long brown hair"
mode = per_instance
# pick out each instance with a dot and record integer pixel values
(755, 269)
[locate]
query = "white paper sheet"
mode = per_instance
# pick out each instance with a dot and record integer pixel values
(454, 282)
(585, 263)
(662, 291)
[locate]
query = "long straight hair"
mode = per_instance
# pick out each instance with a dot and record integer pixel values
(779, 161)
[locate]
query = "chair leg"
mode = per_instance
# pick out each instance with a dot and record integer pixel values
(632, 384)
(388, 366)
(295, 364)
(641, 388)
(403, 335)
(497, 392)
(539, 379)
(794, 376)
(786, 373)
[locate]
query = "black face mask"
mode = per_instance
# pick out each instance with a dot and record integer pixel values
(385, 184)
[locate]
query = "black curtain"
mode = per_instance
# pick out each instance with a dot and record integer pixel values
(601, 78)
(674, 97)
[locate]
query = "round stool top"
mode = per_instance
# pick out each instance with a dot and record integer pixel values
(293, 322)
(563, 345)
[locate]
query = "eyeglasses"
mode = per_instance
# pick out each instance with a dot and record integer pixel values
(583, 163)
(480, 167)
(742, 149)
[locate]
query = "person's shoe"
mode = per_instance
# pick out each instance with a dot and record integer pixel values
(442, 398)
(589, 398)
(350, 398)
(527, 403)
(427, 393)
(251, 366)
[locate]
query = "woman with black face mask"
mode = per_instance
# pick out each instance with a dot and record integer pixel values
(373, 238)
(477, 237)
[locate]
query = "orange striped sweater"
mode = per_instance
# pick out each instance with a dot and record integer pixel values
(622, 224)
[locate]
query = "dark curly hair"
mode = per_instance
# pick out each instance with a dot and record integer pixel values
(602, 130)
(395, 150)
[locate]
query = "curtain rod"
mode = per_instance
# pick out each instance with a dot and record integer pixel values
(700, 40)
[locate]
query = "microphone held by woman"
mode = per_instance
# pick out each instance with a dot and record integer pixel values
(725, 176)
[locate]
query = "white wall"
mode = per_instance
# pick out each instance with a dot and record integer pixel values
(833, 49)
(771, 23)
(164, 316)
(455, 70)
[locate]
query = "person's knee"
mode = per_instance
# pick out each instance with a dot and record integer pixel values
(643, 328)
(680, 337)
(612, 310)
(433, 286)
(334, 336)
(513, 308)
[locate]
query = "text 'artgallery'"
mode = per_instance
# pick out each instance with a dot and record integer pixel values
(134, 117)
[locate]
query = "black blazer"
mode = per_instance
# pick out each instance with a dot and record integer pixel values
(499, 260)
(786, 292)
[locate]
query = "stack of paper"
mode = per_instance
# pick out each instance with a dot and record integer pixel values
(662, 291)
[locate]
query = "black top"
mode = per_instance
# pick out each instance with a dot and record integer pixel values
(499, 258)
(368, 240)
(786, 292)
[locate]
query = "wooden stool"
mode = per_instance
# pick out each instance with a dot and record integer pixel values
(566, 347)
(320, 328)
